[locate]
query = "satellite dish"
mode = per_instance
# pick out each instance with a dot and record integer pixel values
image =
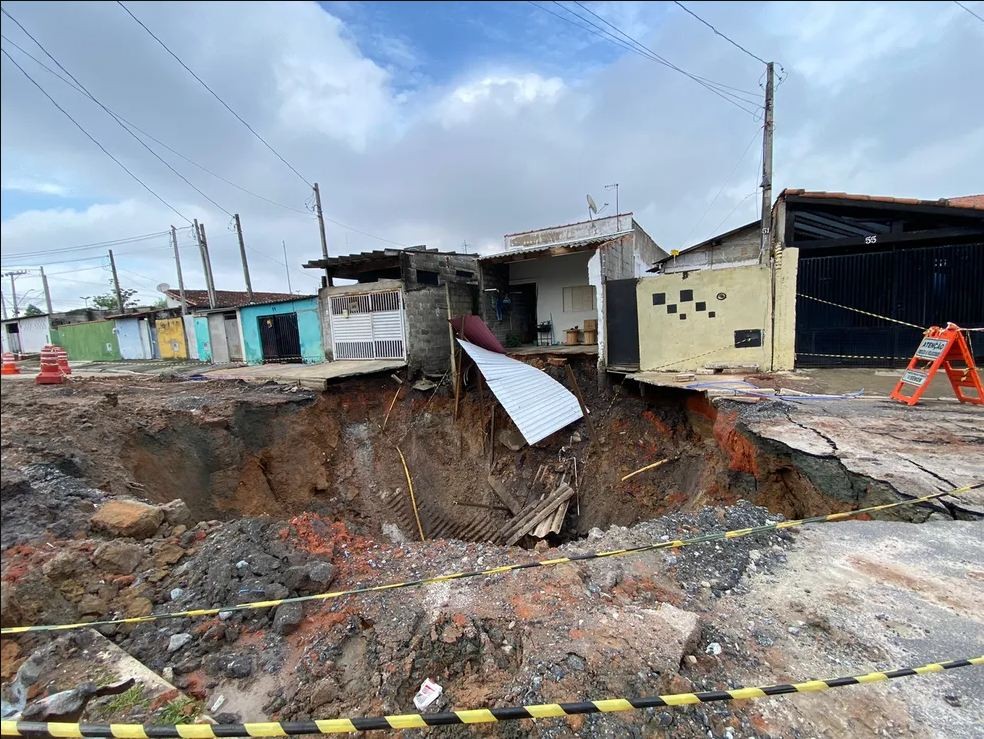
(592, 206)
(163, 287)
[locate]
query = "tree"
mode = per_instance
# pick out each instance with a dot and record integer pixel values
(159, 303)
(33, 310)
(109, 301)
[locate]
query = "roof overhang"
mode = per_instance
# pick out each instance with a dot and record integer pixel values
(558, 249)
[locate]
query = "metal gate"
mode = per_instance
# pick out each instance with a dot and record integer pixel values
(622, 324)
(280, 338)
(368, 326)
(926, 286)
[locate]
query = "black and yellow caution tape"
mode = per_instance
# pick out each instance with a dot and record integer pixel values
(862, 312)
(851, 356)
(672, 544)
(458, 718)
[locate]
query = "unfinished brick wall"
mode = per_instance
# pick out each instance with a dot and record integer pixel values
(428, 341)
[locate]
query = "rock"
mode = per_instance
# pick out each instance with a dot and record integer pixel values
(287, 618)
(392, 532)
(575, 662)
(313, 577)
(177, 641)
(137, 606)
(794, 630)
(176, 593)
(92, 605)
(691, 659)
(595, 533)
(511, 439)
(68, 705)
(63, 566)
(127, 518)
(168, 554)
(118, 557)
(10, 658)
(226, 717)
(713, 649)
(177, 513)
(262, 564)
(423, 384)
(275, 591)
(239, 666)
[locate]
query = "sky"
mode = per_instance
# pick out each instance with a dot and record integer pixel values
(450, 124)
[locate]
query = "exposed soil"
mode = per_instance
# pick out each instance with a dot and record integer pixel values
(290, 492)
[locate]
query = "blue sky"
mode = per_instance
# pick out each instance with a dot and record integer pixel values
(437, 123)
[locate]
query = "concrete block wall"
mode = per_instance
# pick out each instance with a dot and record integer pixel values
(449, 267)
(428, 340)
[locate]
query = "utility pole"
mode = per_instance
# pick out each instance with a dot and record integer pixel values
(116, 281)
(321, 225)
(767, 164)
(47, 292)
(614, 186)
(206, 262)
(242, 255)
(13, 288)
(3, 305)
(177, 263)
(286, 268)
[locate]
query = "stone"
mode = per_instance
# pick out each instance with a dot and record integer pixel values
(262, 564)
(177, 641)
(118, 557)
(92, 605)
(177, 513)
(239, 666)
(168, 554)
(287, 618)
(129, 518)
(313, 577)
(713, 649)
(511, 439)
(63, 566)
(275, 591)
(176, 593)
(138, 606)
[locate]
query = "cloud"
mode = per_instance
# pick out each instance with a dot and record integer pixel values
(34, 187)
(876, 100)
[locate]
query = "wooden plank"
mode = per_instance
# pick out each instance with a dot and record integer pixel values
(535, 512)
(505, 496)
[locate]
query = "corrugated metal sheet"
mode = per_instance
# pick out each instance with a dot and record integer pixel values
(572, 243)
(537, 403)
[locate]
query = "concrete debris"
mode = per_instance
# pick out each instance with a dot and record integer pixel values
(68, 705)
(423, 385)
(287, 618)
(511, 439)
(118, 557)
(177, 513)
(177, 641)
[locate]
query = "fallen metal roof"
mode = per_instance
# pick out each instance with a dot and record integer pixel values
(537, 403)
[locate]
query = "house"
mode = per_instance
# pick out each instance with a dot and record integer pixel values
(26, 334)
(282, 330)
(213, 333)
(837, 266)
(399, 306)
(573, 277)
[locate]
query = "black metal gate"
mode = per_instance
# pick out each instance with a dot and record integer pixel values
(280, 338)
(622, 324)
(925, 286)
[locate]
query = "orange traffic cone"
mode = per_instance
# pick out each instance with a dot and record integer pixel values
(51, 373)
(9, 365)
(63, 360)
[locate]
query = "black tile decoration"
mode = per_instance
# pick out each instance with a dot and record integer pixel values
(683, 316)
(671, 308)
(748, 337)
(686, 296)
(701, 306)
(659, 298)
(711, 314)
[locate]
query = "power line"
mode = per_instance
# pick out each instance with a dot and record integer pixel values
(214, 94)
(637, 47)
(646, 51)
(981, 19)
(94, 99)
(91, 137)
(95, 244)
(724, 36)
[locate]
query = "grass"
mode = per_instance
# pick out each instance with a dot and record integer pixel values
(179, 711)
(128, 701)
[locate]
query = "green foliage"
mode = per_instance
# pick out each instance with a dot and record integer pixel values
(179, 711)
(33, 310)
(109, 301)
(124, 703)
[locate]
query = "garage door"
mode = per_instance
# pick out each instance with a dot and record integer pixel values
(368, 326)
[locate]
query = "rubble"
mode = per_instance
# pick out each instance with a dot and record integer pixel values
(128, 518)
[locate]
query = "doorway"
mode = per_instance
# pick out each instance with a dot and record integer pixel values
(280, 338)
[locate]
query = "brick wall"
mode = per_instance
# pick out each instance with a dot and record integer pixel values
(428, 340)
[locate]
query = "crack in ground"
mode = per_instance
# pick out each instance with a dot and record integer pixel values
(929, 472)
(822, 435)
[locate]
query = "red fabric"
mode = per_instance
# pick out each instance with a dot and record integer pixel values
(475, 331)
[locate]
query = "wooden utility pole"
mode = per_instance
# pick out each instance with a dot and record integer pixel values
(177, 264)
(321, 226)
(47, 292)
(242, 255)
(283, 243)
(116, 281)
(767, 132)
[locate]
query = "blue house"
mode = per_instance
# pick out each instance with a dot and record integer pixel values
(282, 331)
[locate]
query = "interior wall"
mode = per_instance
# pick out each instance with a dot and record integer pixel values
(681, 331)
(552, 275)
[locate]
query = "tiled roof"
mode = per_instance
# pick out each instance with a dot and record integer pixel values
(229, 298)
(967, 201)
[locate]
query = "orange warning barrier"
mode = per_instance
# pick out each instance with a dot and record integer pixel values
(62, 355)
(51, 373)
(946, 348)
(9, 365)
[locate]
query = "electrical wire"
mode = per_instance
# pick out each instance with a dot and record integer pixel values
(97, 244)
(637, 47)
(94, 99)
(724, 36)
(93, 138)
(214, 94)
(980, 18)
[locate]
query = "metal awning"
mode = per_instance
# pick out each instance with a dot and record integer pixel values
(537, 403)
